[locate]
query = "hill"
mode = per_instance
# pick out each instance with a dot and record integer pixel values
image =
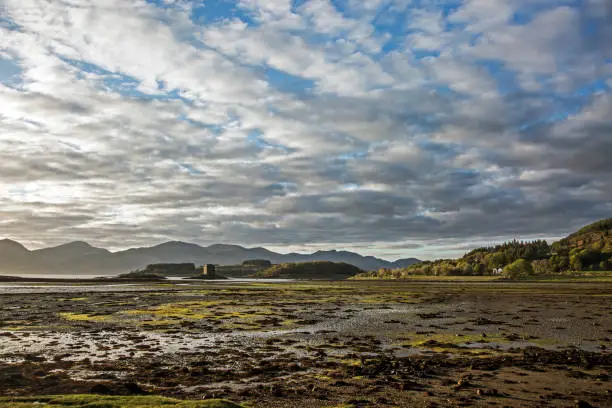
(310, 270)
(84, 259)
(588, 249)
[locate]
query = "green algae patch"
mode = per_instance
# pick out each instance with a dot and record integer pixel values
(98, 401)
(83, 317)
(397, 297)
(350, 362)
(182, 310)
(226, 312)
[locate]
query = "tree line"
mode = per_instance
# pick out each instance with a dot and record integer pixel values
(589, 249)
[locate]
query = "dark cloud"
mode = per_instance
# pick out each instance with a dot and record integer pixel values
(502, 130)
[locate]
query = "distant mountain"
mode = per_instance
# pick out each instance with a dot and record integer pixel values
(12, 255)
(405, 262)
(83, 259)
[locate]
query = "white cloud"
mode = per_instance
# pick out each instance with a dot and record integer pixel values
(130, 122)
(542, 46)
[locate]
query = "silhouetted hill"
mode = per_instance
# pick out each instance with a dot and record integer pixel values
(83, 259)
(12, 255)
(74, 249)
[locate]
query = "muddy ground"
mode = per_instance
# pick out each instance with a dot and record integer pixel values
(313, 344)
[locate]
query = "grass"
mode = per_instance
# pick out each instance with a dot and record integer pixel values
(98, 401)
(603, 276)
(597, 276)
(432, 278)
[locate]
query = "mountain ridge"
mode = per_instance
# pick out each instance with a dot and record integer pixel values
(81, 258)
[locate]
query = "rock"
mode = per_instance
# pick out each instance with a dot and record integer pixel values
(463, 382)
(583, 404)
(13, 379)
(483, 321)
(100, 389)
(134, 388)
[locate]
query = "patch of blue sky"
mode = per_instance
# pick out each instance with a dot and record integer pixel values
(420, 53)
(558, 116)
(565, 106)
(521, 17)
(211, 12)
(86, 66)
(283, 187)
(396, 42)
(425, 124)
(530, 10)
(296, 4)
(122, 84)
(8, 24)
(10, 72)
(128, 86)
(257, 138)
(443, 150)
(450, 6)
(441, 89)
(597, 86)
(354, 155)
(214, 128)
(458, 174)
(593, 27)
(506, 79)
(288, 83)
(394, 23)
(189, 169)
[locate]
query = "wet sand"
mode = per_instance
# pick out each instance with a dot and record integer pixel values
(312, 344)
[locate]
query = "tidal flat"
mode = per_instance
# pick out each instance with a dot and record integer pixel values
(310, 344)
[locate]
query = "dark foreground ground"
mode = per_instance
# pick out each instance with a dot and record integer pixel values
(334, 344)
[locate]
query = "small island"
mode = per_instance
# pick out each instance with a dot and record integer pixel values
(319, 270)
(163, 271)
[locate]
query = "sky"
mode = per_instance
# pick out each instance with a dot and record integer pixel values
(392, 128)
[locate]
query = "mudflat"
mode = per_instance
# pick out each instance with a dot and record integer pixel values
(312, 344)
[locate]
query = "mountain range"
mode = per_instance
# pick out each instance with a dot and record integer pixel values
(80, 258)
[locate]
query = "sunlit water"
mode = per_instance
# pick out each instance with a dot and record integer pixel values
(74, 287)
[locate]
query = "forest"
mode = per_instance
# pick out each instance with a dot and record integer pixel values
(588, 249)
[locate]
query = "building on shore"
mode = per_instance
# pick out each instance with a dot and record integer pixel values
(209, 271)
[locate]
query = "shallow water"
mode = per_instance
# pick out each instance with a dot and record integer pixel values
(76, 287)
(34, 288)
(57, 275)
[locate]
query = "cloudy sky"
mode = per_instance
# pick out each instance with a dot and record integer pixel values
(389, 127)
